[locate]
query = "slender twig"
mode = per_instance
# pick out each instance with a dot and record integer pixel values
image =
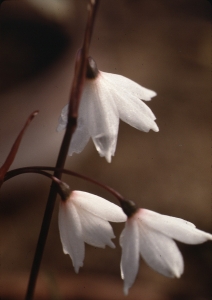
(37, 169)
(40, 171)
(76, 91)
(11, 156)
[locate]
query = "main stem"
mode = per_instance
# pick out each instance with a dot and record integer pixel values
(76, 91)
(47, 216)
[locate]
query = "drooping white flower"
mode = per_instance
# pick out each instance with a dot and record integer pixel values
(106, 98)
(83, 218)
(151, 235)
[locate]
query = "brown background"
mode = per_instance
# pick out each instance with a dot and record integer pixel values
(165, 46)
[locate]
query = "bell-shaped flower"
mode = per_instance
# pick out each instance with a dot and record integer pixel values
(151, 235)
(106, 98)
(83, 218)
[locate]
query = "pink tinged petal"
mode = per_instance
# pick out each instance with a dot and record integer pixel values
(160, 252)
(130, 86)
(129, 241)
(70, 229)
(175, 228)
(103, 118)
(95, 231)
(98, 206)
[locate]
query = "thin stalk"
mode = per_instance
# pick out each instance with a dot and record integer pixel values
(37, 169)
(40, 171)
(77, 86)
(12, 154)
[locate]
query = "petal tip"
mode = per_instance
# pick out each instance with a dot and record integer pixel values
(209, 237)
(177, 272)
(77, 267)
(126, 291)
(108, 158)
(112, 245)
(155, 128)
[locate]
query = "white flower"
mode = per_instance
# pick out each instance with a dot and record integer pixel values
(151, 235)
(106, 98)
(84, 217)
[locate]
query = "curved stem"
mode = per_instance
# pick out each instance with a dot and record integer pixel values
(37, 169)
(11, 156)
(40, 171)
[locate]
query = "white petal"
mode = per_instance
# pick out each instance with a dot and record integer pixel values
(105, 145)
(63, 119)
(160, 252)
(71, 233)
(80, 137)
(98, 206)
(175, 228)
(129, 241)
(131, 109)
(96, 232)
(130, 86)
(103, 119)
(62, 125)
(130, 97)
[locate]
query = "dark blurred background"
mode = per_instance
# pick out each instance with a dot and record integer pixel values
(163, 45)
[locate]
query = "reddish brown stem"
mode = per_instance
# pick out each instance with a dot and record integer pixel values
(11, 156)
(76, 91)
(37, 169)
